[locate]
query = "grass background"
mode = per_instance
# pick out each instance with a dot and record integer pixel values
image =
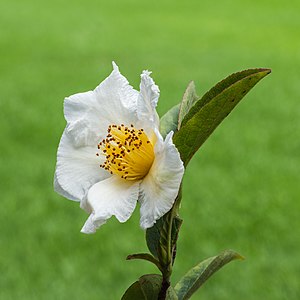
(241, 190)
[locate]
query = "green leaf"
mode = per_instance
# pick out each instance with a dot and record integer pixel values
(177, 222)
(146, 288)
(157, 239)
(134, 292)
(169, 121)
(172, 119)
(223, 85)
(164, 250)
(195, 278)
(158, 234)
(171, 294)
(188, 100)
(153, 237)
(145, 256)
(208, 112)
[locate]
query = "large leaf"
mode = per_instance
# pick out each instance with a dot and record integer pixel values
(188, 100)
(134, 292)
(146, 288)
(208, 112)
(223, 85)
(171, 294)
(195, 278)
(169, 121)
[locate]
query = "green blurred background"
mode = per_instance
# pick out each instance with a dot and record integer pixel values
(241, 190)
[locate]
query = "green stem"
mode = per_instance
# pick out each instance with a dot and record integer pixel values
(167, 268)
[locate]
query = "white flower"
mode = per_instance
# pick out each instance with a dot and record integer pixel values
(111, 153)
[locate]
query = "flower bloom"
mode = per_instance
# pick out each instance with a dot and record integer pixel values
(111, 153)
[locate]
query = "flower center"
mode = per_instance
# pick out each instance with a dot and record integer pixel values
(128, 151)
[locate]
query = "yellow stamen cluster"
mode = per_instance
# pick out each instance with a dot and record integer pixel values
(128, 152)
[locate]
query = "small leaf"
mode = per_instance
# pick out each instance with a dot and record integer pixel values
(146, 288)
(188, 100)
(157, 235)
(208, 112)
(153, 237)
(177, 222)
(157, 238)
(164, 250)
(169, 121)
(196, 277)
(145, 256)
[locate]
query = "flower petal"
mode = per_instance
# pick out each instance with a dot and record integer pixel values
(117, 98)
(61, 191)
(91, 225)
(111, 197)
(114, 101)
(83, 133)
(160, 187)
(77, 169)
(147, 101)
